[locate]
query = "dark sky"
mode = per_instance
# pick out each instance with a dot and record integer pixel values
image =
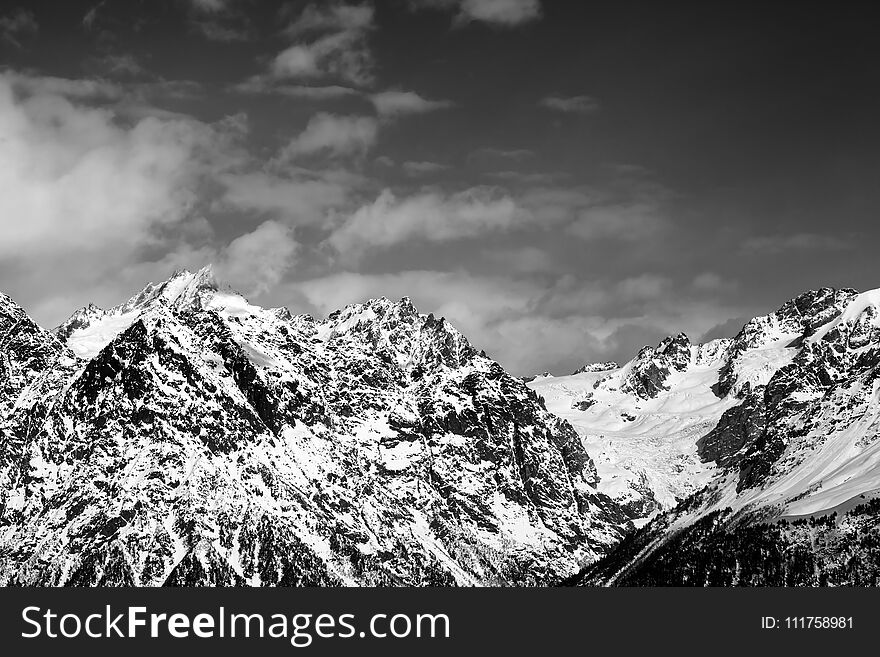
(566, 181)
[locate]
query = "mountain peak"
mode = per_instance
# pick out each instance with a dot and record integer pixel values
(90, 328)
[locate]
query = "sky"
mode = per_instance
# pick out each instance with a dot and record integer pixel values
(564, 181)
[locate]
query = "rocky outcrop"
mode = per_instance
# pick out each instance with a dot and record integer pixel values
(597, 367)
(649, 371)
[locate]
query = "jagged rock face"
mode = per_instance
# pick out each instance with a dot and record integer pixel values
(206, 441)
(81, 319)
(794, 321)
(843, 349)
(26, 352)
(649, 371)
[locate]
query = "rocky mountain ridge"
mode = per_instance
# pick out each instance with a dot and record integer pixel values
(793, 436)
(187, 437)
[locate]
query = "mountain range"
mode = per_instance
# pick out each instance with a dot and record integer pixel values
(189, 437)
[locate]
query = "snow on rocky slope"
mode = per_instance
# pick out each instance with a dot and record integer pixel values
(641, 422)
(794, 434)
(784, 414)
(187, 437)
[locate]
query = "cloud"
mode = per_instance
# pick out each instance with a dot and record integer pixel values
(80, 89)
(257, 261)
(210, 6)
(219, 20)
(333, 135)
(430, 216)
(392, 104)
(88, 192)
(384, 161)
(416, 169)
(122, 64)
(225, 32)
(643, 287)
(296, 200)
(330, 41)
(91, 16)
(259, 84)
(19, 22)
(111, 199)
(77, 180)
(570, 105)
(332, 17)
(133, 99)
(502, 13)
(775, 244)
(495, 158)
(335, 56)
(529, 177)
(713, 283)
(267, 84)
(629, 221)
(526, 260)
(622, 210)
(627, 215)
(506, 13)
(316, 93)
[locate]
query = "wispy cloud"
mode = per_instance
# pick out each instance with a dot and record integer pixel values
(294, 199)
(17, 24)
(331, 134)
(122, 64)
(775, 244)
(628, 214)
(430, 216)
(332, 17)
(91, 16)
(494, 158)
(135, 99)
(502, 13)
(570, 104)
(210, 6)
(392, 104)
(416, 169)
(713, 283)
(264, 84)
(219, 20)
(529, 177)
(329, 42)
(45, 85)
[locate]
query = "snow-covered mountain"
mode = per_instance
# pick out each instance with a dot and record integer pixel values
(641, 422)
(756, 435)
(189, 437)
